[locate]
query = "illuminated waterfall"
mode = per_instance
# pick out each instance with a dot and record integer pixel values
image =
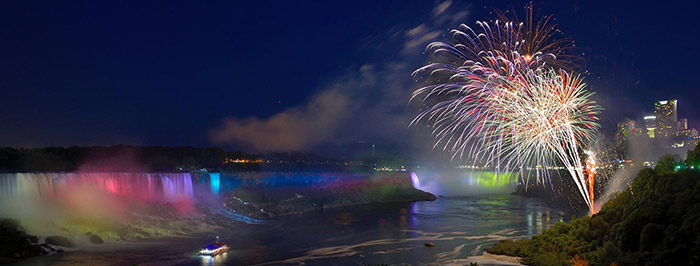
(458, 183)
(149, 186)
(215, 182)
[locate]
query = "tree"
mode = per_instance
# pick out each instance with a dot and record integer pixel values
(667, 163)
(190, 163)
(655, 222)
(652, 234)
(693, 158)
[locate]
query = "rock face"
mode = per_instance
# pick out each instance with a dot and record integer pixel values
(16, 244)
(60, 241)
(295, 194)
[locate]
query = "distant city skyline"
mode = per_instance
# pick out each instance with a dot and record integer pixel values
(664, 125)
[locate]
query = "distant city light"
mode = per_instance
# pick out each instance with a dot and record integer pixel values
(230, 160)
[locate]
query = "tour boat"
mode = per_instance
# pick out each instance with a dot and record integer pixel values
(214, 249)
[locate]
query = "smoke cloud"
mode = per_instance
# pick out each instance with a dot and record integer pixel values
(292, 129)
(364, 104)
(640, 149)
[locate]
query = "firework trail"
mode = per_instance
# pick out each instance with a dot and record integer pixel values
(488, 99)
(591, 172)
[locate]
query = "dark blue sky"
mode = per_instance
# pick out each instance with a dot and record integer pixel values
(169, 73)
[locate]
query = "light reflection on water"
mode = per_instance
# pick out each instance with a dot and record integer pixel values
(369, 234)
(216, 260)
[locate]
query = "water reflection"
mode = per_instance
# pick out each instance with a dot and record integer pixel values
(359, 235)
(215, 260)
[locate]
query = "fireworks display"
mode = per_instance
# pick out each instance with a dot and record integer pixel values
(497, 95)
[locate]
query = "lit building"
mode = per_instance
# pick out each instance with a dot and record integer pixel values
(666, 118)
(682, 124)
(650, 124)
(625, 130)
(686, 134)
(694, 140)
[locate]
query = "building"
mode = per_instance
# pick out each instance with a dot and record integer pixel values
(666, 118)
(694, 140)
(683, 133)
(682, 124)
(650, 124)
(686, 134)
(625, 130)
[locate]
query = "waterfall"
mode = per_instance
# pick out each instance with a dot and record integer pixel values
(459, 183)
(164, 187)
(215, 182)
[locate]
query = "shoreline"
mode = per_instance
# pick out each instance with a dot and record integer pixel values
(488, 259)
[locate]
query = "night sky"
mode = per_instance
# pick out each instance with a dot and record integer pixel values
(293, 75)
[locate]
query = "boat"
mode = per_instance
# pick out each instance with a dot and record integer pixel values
(214, 249)
(429, 244)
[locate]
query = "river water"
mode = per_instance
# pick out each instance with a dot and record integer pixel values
(369, 234)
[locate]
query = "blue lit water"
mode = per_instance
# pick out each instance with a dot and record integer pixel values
(369, 234)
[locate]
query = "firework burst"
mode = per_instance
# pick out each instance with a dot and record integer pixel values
(542, 36)
(490, 100)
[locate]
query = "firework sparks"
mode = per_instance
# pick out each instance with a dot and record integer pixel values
(490, 100)
(590, 173)
(543, 36)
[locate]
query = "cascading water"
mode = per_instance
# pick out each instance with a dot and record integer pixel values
(458, 183)
(45, 197)
(48, 203)
(215, 182)
(163, 187)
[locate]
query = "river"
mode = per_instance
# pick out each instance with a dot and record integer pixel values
(395, 233)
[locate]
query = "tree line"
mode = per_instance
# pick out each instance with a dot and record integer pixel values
(114, 158)
(126, 158)
(656, 221)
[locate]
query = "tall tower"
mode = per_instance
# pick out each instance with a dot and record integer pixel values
(650, 124)
(666, 118)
